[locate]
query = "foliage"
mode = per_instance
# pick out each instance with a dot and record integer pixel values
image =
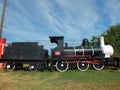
(95, 41)
(112, 37)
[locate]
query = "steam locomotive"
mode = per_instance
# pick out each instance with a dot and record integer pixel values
(62, 56)
(83, 55)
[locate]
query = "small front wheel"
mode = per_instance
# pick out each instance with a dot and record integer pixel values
(62, 65)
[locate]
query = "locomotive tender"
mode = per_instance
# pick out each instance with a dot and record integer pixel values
(19, 53)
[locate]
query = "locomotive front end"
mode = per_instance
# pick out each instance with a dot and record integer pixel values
(107, 50)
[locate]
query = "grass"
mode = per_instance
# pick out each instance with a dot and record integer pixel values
(69, 80)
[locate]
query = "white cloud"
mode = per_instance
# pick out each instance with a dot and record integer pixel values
(19, 26)
(76, 19)
(112, 9)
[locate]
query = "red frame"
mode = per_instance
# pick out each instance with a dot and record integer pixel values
(87, 57)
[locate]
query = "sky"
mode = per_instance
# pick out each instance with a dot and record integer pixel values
(27, 20)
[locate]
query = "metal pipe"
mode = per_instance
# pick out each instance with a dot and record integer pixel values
(2, 18)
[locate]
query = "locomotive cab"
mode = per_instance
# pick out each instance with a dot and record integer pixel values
(57, 52)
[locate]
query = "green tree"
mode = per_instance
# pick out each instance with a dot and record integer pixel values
(112, 37)
(95, 41)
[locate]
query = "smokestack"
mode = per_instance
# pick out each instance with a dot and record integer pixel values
(102, 43)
